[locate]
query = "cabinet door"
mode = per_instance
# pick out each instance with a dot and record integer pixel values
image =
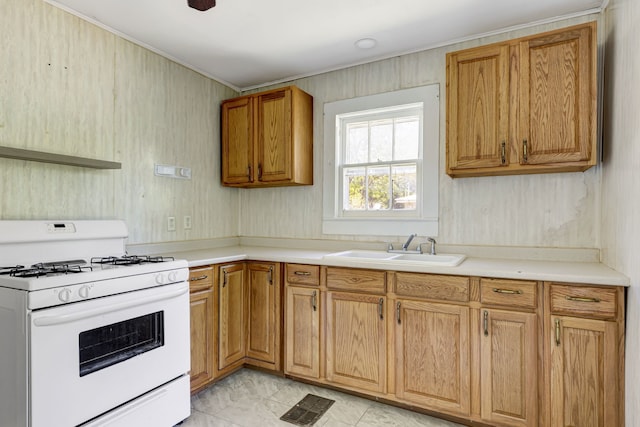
(302, 325)
(274, 129)
(558, 97)
(356, 341)
(478, 108)
(237, 141)
(584, 382)
(232, 315)
(508, 360)
(202, 338)
(263, 335)
(432, 355)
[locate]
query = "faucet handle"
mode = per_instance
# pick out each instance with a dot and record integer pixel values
(389, 246)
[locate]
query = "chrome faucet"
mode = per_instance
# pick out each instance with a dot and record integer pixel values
(406, 244)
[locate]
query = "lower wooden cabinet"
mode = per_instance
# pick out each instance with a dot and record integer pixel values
(432, 355)
(232, 315)
(584, 333)
(356, 345)
(508, 363)
(302, 325)
(203, 315)
(264, 314)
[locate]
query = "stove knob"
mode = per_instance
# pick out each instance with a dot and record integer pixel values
(64, 295)
(173, 276)
(160, 279)
(83, 292)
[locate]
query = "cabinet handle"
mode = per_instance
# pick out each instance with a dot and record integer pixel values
(313, 300)
(583, 299)
(195, 279)
(503, 152)
(249, 172)
(302, 273)
(380, 306)
(485, 323)
(259, 172)
(558, 332)
(224, 278)
(507, 291)
(270, 276)
(525, 154)
(398, 312)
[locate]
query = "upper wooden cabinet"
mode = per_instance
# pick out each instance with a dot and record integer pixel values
(523, 106)
(267, 139)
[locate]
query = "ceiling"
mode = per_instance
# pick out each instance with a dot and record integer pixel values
(251, 43)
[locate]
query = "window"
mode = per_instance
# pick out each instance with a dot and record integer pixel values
(381, 164)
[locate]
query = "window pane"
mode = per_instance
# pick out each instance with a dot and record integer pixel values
(378, 188)
(354, 191)
(407, 138)
(381, 141)
(404, 187)
(357, 143)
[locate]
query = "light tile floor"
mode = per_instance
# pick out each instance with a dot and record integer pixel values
(250, 398)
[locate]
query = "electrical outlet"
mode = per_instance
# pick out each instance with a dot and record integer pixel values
(171, 223)
(187, 222)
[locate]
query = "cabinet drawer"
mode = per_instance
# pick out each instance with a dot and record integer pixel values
(200, 278)
(433, 286)
(303, 274)
(510, 293)
(583, 301)
(353, 279)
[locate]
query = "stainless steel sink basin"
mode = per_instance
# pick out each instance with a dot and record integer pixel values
(443, 260)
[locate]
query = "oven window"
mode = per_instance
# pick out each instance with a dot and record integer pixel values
(115, 343)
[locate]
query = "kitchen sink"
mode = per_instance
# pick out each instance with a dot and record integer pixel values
(372, 255)
(449, 260)
(415, 259)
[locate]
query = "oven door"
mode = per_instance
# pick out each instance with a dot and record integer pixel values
(90, 357)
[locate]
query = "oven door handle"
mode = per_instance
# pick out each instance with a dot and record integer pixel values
(79, 315)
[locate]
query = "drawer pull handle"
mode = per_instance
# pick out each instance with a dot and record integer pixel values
(558, 332)
(302, 273)
(380, 304)
(507, 291)
(313, 301)
(195, 279)
(485, 323)
(583, 299)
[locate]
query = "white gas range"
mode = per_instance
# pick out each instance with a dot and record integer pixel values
(89, 335)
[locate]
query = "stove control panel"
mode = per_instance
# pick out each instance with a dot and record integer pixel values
(85, 291)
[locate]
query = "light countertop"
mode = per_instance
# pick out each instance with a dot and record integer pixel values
(559, 271)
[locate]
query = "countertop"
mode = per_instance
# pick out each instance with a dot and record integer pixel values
(559, 271)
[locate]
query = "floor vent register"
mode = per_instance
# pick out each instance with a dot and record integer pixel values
(308, 410)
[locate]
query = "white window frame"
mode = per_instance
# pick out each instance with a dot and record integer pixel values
(424, 220)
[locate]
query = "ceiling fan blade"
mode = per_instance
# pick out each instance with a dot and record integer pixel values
(202, 5)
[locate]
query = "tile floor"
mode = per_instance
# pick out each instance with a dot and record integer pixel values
(254, 399)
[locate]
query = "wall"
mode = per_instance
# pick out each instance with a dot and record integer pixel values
(620, 183)
(556, 210)
(72, 88)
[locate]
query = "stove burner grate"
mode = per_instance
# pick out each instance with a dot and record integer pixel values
(43, 269)
(130, 260)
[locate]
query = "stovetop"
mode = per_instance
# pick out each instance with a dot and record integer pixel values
(55, 268)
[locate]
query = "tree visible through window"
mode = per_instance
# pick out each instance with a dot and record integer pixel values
(380, 159)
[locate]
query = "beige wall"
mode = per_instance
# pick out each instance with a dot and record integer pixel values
(70, 87)
(557, 210)
(621, 180)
